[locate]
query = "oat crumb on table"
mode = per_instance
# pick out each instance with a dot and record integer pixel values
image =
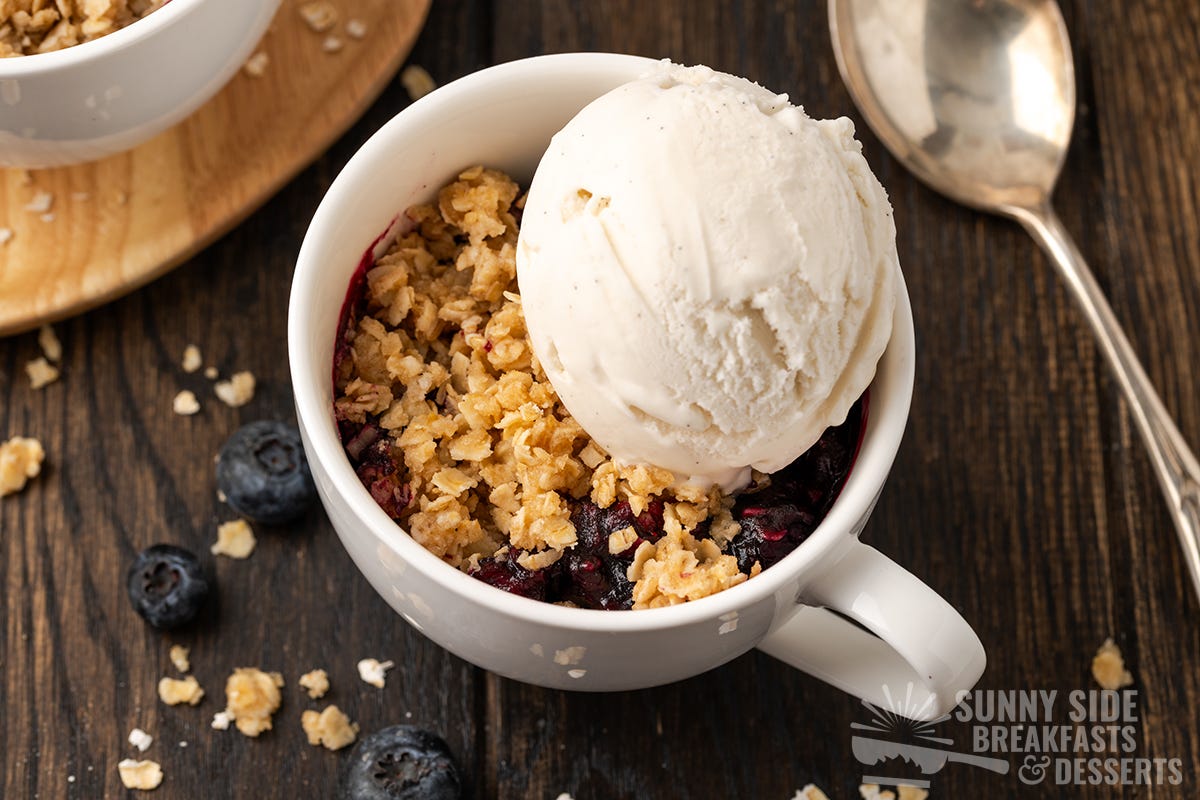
(315, 682)
(332, 44)
(144, 775)
(234, 539)
(179, 656)
(192, 360)
(1108, 667)
(185, 403)
(252, 698)
(51, 346)
(140, 739)
(41, 203)
(20, 459)
(320, 16)
(374, 672)
(256, 65)
(356, 28)
(221, 720)
(237, 391)
(330, 728)
(417, 81)
(176, 691)
(810, 792)
(41, 372)
(6, 235)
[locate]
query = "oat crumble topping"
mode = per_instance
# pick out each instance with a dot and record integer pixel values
(40, 26)
(234, 539)
(140, 739)
(252, 697)
(374, 672)
(439, 368)
(330, 728)
(51, 346)
(192, 360)
(20, 459)
(41, 372)
(237, 391)
(179, 657)
(185, 403)
(316, 683)
(1108, 667)
(417, 81)
(175, 691)
(144, 775)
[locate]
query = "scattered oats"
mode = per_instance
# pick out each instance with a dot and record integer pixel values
(179, 657)
(185, 403)
(221, 720)
(6, 235)
(320, 16)
(41, 203)
(70, 779)
(41, 372)
(356, 28)
(140, 739)
(374, 672)
(48, 216)
(330, 728)
(1108, 667)
(144, 775)
(234, 539)
(51, 346)
(564, 796)
(256, 65)
(332, 44)
(810, 792)
(183, 744)
(252, 697)
(192, 360)
(316, 683)
(211, 373)
(80, 196)
(911, 792)
(20, 460)
(175, 691)
(417, 82)
(237, 391)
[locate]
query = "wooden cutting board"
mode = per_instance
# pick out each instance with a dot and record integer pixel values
(117, 223)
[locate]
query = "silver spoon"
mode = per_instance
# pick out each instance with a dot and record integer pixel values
(977, 99)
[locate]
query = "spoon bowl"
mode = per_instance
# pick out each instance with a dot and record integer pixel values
(977, 99)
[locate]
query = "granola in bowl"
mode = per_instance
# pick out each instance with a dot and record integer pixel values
(28, 27)
(456, 432)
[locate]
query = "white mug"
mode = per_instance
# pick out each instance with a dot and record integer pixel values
(503, 117)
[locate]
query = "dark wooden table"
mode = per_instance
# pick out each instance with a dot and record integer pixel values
(1021, 492)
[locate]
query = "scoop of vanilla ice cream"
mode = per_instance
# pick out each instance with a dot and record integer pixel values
(708, 275)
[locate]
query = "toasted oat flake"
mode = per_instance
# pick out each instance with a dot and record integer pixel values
(622, 540)
(192, 360)
(374, 672)
(316, 683)
(237, 391)
(330, 728)
(810, 792)
(41, 372)
(140, 739)
(211, 373)
(144, 775)
(256, 65)
(252, 698)
(1108, 667)
(320, 16)
(185, 403)
(332, 44)
(221, 720)
(179, 656)
(51, 346)
(6, 235)
(176, 691)
(417, 81)
(234, 539)
(41, 203)
(356, 28)
(20, 459)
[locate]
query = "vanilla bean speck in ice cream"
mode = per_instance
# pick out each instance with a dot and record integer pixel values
(708, 274)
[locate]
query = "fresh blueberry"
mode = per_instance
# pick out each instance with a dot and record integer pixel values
(263, 473)
(166, 585)
(401, 763)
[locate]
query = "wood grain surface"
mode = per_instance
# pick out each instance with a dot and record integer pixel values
(119, 222)
(1020, 493)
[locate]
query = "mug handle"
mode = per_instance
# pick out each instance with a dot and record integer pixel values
(922, 657)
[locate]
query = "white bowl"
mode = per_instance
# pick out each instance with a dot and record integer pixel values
(111, 94)
(503, 117)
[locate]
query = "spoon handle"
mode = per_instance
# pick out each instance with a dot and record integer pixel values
(1176, 466)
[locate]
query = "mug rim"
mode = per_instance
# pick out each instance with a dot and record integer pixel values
(881, 439)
